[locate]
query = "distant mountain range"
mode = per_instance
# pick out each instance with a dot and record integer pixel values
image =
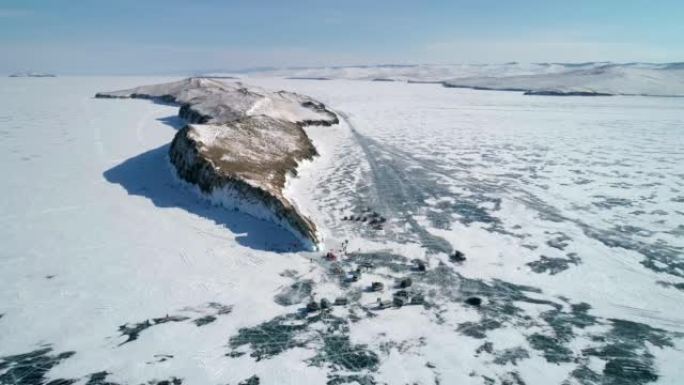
(576, 79)
(32, 75)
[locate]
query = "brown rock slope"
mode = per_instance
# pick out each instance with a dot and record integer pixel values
(240, 144)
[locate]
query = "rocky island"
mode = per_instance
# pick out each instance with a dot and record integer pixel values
(240, 143)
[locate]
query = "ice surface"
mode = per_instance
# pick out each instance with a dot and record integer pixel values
(569, 212)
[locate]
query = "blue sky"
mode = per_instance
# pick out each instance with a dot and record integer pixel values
(176, 36)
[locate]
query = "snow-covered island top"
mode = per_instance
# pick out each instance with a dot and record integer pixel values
(241, 143)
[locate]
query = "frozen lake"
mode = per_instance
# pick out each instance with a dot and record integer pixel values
(569, 210)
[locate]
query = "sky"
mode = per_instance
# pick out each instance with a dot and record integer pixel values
(183, 36)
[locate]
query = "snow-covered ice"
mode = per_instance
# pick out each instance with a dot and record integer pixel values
(570, 213)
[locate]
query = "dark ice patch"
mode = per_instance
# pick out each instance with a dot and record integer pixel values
(327, 334)
(100, 378)
(336, 379)
(294, 294)
(394, 262)
(659, 256)
(219, 308)
(207, 319)
(677, 231)
(582, 181)
(626, 371)
(439, 219)
(585, 376)
(624, 347)
(499, 307)
(486, 347)
(511, 378)
(271, 337)
(170, 381)
(678, 286)
(160, 358)
(559, 240)
(31, 368)
(512, 355)
(254, 380)
(470, 211)
(635, 335)
(553, 349)
(132, 331)
(633, 230)
(627, 355)
(340, 353)
(289, 273)
(606, 202)
(563, 323)
(553, 266)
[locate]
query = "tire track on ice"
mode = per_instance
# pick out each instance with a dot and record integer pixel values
(397, 193)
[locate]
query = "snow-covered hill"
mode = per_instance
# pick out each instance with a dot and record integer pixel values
(650, 80)
(420, 72)
(32, 74)
(540, 78)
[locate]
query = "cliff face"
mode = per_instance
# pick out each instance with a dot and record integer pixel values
(240, 144)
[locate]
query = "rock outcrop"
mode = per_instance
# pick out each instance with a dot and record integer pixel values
(240, 144)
